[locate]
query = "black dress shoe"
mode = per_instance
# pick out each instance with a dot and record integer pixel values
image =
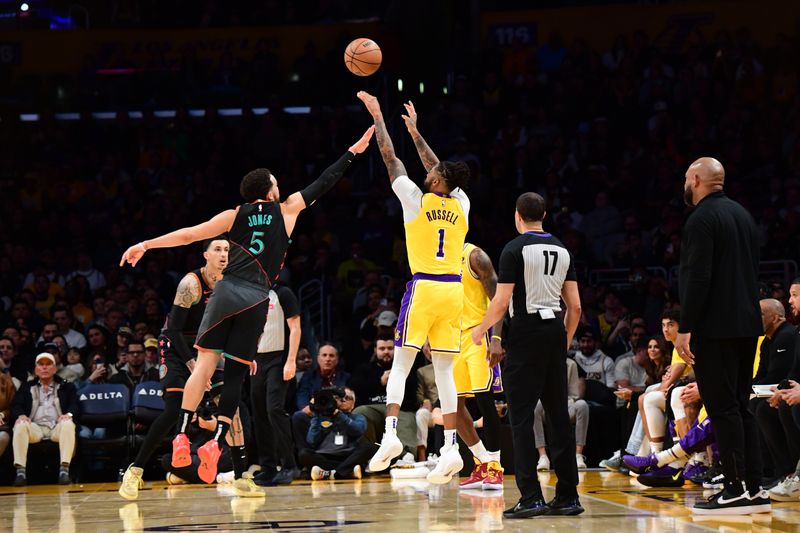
(264, 476)
(565, 506)
(526, 510)
(284, 477)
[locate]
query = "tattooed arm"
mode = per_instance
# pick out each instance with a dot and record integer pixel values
(189, 293)
(429, 159)
(481, 265)
(393, 164)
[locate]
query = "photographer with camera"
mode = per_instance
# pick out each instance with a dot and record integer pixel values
(336, 450)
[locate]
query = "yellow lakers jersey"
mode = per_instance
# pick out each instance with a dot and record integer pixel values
(435, 237)
(475, 300)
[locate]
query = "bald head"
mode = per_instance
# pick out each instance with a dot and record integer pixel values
(773, 314)
(705, 176)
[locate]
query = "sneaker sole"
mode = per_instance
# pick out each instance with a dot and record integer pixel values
(441, 479)
(784, 497)
(129, 497)
(207, 471)
(492, 486)
(542, 469)
(567, 512)
(249, 494)
(378, 464)
(740, 510)
(181, 458)
(470, 486)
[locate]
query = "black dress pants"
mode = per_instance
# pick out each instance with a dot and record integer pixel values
(273, 427)
(724, 371)
(342, 463)
(536, 369)
(782, 450)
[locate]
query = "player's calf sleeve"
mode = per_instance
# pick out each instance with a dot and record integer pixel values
(443, 372)
(491, 420)
(401, 366)
(233, 375)
(159, 429)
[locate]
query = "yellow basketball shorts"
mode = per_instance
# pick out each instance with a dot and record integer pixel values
(471, 369)
(431, 309)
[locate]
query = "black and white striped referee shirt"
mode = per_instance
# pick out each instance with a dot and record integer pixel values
(538, 265)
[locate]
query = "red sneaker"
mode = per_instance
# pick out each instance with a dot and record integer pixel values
(494, 476)
(209, 456)
(181, 451)
(476, 477)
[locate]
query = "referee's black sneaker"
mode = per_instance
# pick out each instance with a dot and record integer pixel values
(565, 506)
(536, 507)
(728, 502)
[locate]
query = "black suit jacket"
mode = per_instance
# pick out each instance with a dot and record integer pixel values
(719, 271)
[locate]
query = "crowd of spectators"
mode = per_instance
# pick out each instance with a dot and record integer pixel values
(603, 135)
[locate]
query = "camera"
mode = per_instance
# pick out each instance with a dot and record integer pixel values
(326, 401)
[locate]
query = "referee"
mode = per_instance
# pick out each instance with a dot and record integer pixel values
(536, 272)
(720, 320)
(276, 361)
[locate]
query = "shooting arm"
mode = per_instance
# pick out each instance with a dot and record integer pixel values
(426, 155)
(393, 164)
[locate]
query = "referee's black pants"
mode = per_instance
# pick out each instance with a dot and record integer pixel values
(536, 369)
(724, 371)
(273, 427)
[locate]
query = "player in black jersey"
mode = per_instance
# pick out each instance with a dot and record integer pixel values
(177, 354)
(258, 232)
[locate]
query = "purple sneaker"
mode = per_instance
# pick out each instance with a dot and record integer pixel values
(640, 465)
(666, 476)
(694, 471)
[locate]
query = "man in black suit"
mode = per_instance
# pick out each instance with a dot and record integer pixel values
(721, 323)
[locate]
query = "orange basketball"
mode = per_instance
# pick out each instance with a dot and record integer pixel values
(362, 57)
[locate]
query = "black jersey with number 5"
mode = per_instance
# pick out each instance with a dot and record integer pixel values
(538, 265)
(258, 242)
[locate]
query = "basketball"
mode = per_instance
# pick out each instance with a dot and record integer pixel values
(362, 57)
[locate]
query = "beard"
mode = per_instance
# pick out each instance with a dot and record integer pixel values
(687, 197)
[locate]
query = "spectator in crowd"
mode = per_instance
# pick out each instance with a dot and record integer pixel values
(134, 371)
(151, 352)
(326, 374)
(597, 368)
(124, 336)
(49, 330)
(44, 408)
(7, 392)
(578, 414)
(304, 363)
(369, 381)
(335, 448)
(86, 269)
(98, 339)
(62, 316)
(73, 369)
(12, 365)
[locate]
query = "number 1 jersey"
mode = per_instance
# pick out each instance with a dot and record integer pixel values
(436, 227)
(258, 244)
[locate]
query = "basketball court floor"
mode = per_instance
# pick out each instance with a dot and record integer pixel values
(613, 502)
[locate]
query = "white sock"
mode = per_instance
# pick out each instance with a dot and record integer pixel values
(449, 438)
(674, 454)
(494, 456)
(656, 447)
(391, 424)
(480, 453)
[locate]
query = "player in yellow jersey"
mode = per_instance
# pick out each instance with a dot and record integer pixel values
(477, 372)
(436, 226)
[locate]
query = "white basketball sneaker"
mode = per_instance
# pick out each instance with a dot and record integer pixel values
(450, 464)
(390, 448)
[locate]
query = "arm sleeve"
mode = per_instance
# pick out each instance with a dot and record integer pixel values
(509, 266)
(699, 250)
(410, 197)
(174, 330)
(463, 199)
(327, 179)
(288, 301)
